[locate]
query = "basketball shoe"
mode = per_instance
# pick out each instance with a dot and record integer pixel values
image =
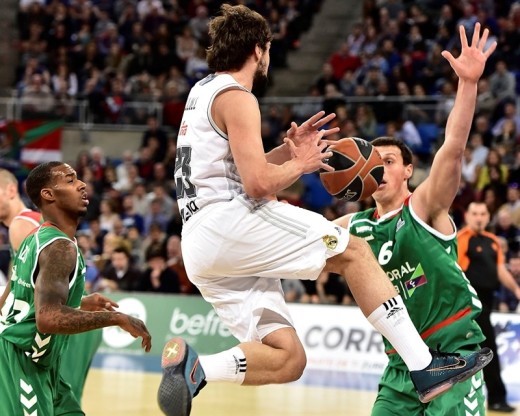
(445, 370)
(183, 378)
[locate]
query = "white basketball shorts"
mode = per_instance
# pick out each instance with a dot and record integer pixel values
(236, 254)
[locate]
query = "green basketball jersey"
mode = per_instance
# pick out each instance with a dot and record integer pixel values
(422, 265)
(19, 325)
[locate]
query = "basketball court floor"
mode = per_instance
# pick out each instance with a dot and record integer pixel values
(130, 393)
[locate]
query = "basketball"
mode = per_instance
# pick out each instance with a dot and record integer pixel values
(358, 169)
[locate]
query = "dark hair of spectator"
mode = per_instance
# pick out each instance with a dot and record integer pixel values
(123, 249)
(155, 250)
(392, 141)
(234, 35)
(40, 177)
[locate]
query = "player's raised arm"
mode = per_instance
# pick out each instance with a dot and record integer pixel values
(435, 195)
(53, 316)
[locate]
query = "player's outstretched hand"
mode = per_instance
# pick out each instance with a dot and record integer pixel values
(136, 328)
(472, 59)
(96, 302)
(308, 129)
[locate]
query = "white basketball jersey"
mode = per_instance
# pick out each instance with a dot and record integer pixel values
(204, 168)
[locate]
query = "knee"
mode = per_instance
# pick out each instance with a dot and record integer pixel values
(294, 366)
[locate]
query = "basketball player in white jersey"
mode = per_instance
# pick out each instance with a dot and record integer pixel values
(238, 241)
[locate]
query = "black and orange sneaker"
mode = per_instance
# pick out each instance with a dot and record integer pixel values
(183, 378)
(447, 369)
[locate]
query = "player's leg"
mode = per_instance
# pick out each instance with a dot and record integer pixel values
(24, 389)
(396, 395)
(65, 401)
(77, 358)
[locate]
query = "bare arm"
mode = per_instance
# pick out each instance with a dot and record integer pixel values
(237, 113)
(434, 196)
(343, 221)
(18, 230)
(53, 316)
(507, 279)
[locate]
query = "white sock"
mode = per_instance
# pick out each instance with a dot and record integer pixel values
(227, 365)
(391, 319)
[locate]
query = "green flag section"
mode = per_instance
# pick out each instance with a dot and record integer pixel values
(42, 143)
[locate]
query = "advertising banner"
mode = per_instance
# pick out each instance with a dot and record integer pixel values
(337, 339)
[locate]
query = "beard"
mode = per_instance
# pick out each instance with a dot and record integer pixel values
(260, 79)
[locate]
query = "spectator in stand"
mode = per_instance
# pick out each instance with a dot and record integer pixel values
(140, 201)
(129, 216)
(64, 76)
(486, 101)
(482, 128)
(507, 138)
(141, 60)
(512, 202)
(279, 46)
(114, 102)
(196, 66)
(108, 215)
(505, 228)
(332, 98)
(366, 121)
(155, 217)
(371, 41)
(144, 7)
(92, 274)
(507, 301)
(155, 130)
(347, 84)
(468, 19)
(186, 44)
(420, 172)
(465, 195)
(37, 98)
(355, 39)
(326, 77)
(489, 171)
(406, 131)
(509, 113)
(120, 273)
(470, 167)
(158, 277)
(342, 60)
(445, 103)
(372, 79)
(502, 82)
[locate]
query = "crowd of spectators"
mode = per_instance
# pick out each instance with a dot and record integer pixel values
(111, 53)
(388, 77)
(394, 52)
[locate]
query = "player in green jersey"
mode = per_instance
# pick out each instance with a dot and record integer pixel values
(20, 221)
(47, 283)
(414, 240)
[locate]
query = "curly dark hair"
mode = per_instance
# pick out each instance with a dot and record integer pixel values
(234, 34)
